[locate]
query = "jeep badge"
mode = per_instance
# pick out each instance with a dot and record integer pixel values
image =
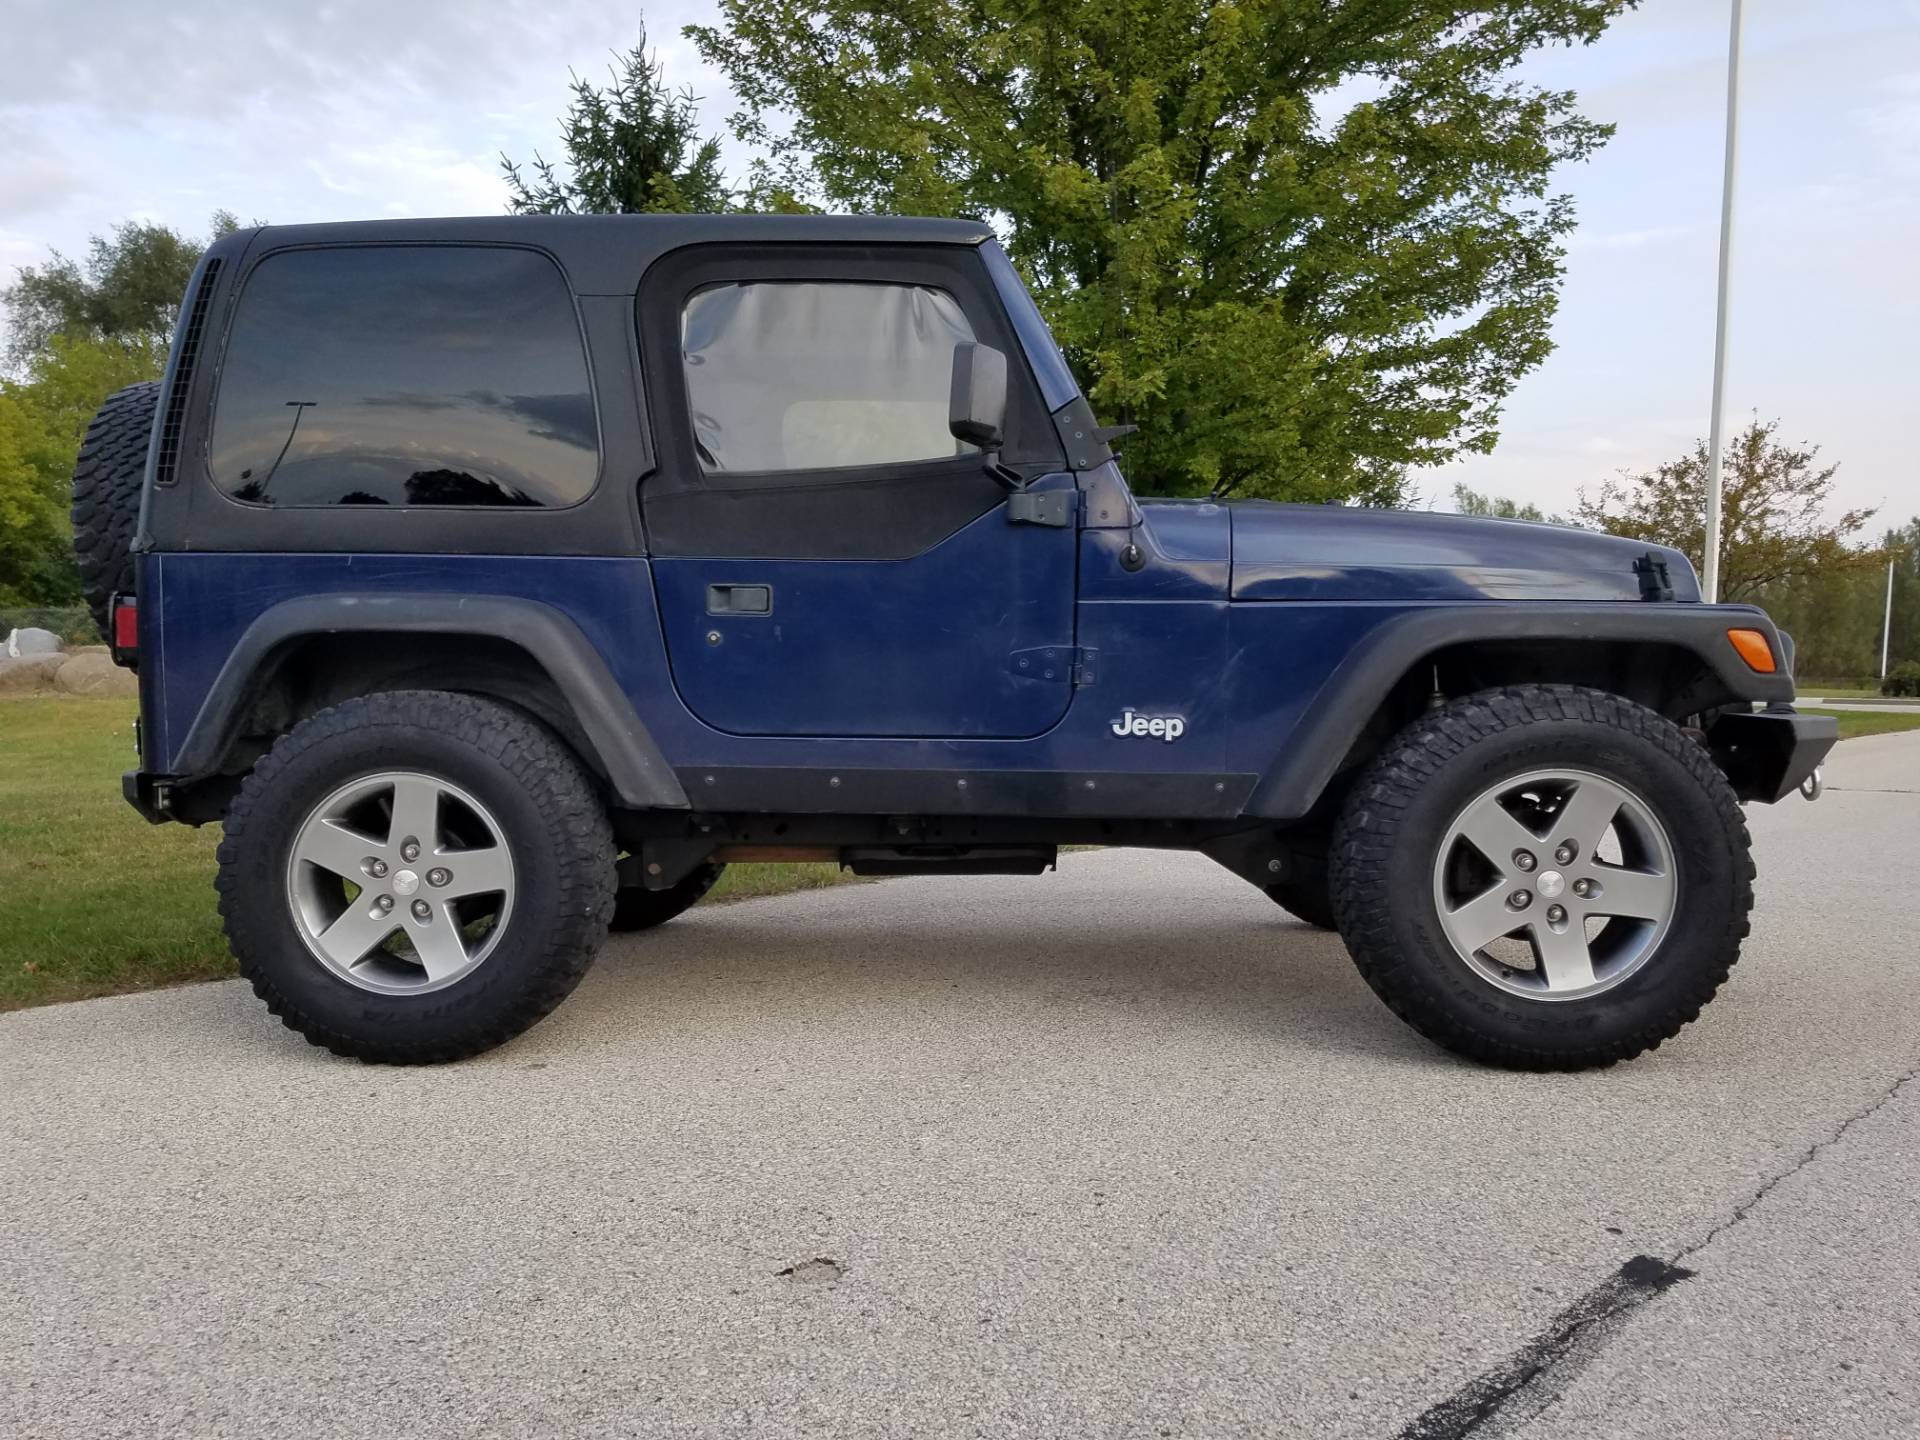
(1165, 727)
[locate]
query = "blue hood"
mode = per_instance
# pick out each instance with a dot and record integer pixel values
(1332, 552)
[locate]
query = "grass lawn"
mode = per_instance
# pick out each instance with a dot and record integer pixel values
(94, 901)
(92, 898)
(1855, 723)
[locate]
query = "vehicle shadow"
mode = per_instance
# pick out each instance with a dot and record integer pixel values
(1245, 970)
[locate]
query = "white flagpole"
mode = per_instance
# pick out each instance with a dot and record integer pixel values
(1710, 579)
(1886, 623)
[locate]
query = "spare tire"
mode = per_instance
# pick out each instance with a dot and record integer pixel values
(106, 496)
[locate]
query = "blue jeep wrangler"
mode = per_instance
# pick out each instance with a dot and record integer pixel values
(496, 581)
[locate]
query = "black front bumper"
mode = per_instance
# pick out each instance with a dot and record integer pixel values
(1768, 754)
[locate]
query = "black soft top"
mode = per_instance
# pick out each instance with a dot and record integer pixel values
(605, 254)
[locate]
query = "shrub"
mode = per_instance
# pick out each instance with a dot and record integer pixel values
(1903, 679)
(72, 624)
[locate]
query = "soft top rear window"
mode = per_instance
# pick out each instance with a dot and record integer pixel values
(408, 375)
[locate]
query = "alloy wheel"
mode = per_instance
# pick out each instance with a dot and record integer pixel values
(1556, 884)
(400, 882)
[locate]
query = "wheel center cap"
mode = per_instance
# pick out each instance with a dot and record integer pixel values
(405, 882)
(1550, 884)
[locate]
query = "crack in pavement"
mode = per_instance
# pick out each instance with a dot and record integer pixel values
(1812, 1153)
(1532, 1379)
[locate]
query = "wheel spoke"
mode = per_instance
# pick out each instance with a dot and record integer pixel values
(396, 889)
(1482, 920)
(478, 872)
(358, 929)
(1589, 811)
(1562, 884)
(438, 944)
(416, 812)
(332, 846)
(1564, 957)
(1496, 834)
(1631, 893)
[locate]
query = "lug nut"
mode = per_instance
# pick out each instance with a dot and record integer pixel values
(1566, 853)
(1523, 860)
(374, 866)
(439, 877)
(1520, 899)
(1556, 915)
(383, 904)
(410, 851)
(1583, 888)
(422, 910)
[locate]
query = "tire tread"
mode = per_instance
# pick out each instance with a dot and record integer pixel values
(1371, 825)
(107, 476)
(577, 830)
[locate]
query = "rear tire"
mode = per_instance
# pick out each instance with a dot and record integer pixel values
(1640, 945)
(485, 888)
(637, 908)
(106, 496)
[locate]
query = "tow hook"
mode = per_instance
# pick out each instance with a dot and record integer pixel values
(1814, 786)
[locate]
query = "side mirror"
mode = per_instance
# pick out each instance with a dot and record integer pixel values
(977, 403)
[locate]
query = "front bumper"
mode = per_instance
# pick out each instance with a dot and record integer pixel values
(1768, 754)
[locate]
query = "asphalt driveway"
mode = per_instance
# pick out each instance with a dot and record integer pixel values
(1122, 1151)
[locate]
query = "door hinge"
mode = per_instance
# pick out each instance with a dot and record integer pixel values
(1063, 664)
(1055, 508)
(1655, 582)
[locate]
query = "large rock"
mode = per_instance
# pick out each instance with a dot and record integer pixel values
(30, 640)
(28, 674)
(94, 675)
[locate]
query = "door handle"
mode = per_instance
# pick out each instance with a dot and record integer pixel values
(739, 599)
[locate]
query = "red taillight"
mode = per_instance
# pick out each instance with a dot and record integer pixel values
(126, 626)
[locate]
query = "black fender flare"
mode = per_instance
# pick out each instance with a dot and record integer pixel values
(1293, 781)
(632, 761)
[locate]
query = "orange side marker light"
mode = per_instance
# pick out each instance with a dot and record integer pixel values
(1753, 648)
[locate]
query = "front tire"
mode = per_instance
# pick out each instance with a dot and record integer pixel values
(1543, 877)
(415, 877)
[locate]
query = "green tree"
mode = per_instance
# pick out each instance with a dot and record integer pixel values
(128, 289)
(633, 147)
(1499, 507)
(1836, 617)
(43, 416)
(77, 333)
(1294, 294)
(1775, 501)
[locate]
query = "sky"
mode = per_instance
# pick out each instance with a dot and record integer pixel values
(349, 109)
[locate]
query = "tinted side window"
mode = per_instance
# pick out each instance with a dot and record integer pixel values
(405, 375)
(818, 376)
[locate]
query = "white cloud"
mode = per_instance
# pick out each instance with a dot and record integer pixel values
(351, 107)
(37, 174)
(1893, 123)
